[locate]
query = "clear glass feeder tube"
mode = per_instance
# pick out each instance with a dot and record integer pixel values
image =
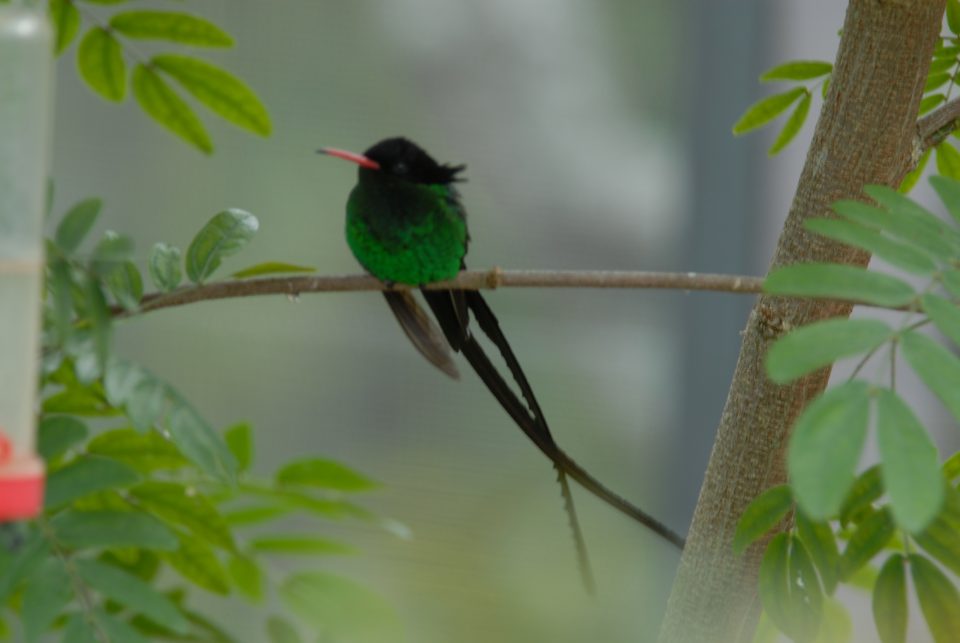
(26, 83)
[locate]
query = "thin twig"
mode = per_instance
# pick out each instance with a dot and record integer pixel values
(467, 280)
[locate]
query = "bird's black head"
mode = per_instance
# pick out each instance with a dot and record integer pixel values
(403, 159)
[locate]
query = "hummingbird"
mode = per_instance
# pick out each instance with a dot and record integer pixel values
(406, 224)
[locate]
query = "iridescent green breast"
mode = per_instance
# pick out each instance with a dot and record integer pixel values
(407, 233)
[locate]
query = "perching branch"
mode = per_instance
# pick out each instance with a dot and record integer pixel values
(936, 126)
(474, 280)
(467, 280)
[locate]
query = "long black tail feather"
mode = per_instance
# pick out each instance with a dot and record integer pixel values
(445, 306)
(488, 323)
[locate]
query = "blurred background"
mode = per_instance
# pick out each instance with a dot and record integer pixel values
(596, 136)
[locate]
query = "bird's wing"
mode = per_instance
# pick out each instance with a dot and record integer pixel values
(421, 331)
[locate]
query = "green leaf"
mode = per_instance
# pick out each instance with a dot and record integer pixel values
(129, 591)
(112, 250)
(339, 607)
(78, 630)
(164, 266)
(939, 539)
(869, 538)
(222, 92)
(326, 474)
(762, 515)
(57, 433)
(76, 224)
(766, 109)
(903, 206)
(937, 367)
(144, 452)
(211, 631)
(919, 231)
(949, 191)
(931, 101)
(170, 25)
(126, 285)
(951, 467)
(941, 64)
(324, 507)
(100, 61)
(197, 440)
(838, 282)
(255, 514)
(142, 563)
(112, 529)
(797, 70)
(281, 630)
(117, 630)
(792, 126)
(820, 344)
(66, 23)
(164, 105)
(33, 552)
(77, 402)
(298, 545)
(935, 81)
(914, 175)
(951, 281)
(196, 562)
(145, 404)
(47, 592)
(953, 16)
(893, 252)
(890, 601)
(239, 438)
(60, 285)
(120, 379)
(806, 597)
(944, 315)
(270, 268)
(100, 324)
(943, 50)
(825, 448)
(835, 626)
(948, 160)
(777, 582)
(939, 600)
(247, 576)
(178, 504)
(84, 476)
(821, 544)
(911, 473)
(223, 235)
(766, 631)
(867, 488)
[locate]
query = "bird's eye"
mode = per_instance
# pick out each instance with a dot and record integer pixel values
(400, 168)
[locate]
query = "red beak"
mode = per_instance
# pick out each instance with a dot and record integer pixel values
(353, 157)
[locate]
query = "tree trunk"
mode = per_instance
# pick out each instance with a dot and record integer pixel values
(866, 134)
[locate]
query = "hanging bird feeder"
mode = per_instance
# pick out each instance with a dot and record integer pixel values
(26, 65)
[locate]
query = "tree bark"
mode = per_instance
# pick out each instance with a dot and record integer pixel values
(866, 133)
